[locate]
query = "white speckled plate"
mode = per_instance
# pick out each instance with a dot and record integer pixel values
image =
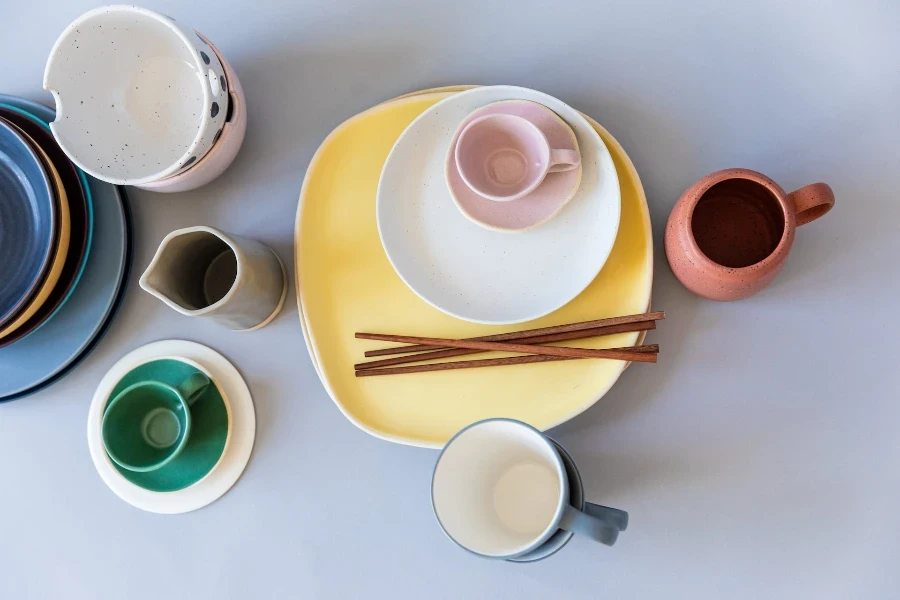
(487, 276)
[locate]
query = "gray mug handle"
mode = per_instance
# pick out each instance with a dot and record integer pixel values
(596, 524)
(617, 517)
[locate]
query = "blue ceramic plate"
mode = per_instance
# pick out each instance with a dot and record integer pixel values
(79, 219)
(80, 202)
(52, 351)
(27, 221)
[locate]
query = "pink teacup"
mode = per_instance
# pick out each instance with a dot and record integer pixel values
(505, 157)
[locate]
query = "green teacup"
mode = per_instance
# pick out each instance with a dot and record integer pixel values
(148, 424)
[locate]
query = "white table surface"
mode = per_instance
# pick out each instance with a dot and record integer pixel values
(759, 459)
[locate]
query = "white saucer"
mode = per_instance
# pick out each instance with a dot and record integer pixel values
(480, 275)
(240, 436)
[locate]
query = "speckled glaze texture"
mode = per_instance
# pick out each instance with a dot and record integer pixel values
(224, 150)
(138, 96)
(730, 233)
(473, 273)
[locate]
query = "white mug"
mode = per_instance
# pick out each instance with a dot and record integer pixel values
(500, 490)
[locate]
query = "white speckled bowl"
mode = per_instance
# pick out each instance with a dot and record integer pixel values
(224, 150)
(138, 96)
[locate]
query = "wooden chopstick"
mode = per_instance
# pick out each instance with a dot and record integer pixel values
(520, 348)
(649, 350)
(518, 335)
(536, 339)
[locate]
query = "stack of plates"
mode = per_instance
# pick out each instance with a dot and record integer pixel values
(414, 264)
(65, 239)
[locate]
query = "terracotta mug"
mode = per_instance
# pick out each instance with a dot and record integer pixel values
(730, 233)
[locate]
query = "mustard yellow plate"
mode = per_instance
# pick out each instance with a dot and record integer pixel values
(345, 284)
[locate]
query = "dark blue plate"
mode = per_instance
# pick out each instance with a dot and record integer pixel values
(28, 216)
(80, 219)
(51, 352)
(75, 189)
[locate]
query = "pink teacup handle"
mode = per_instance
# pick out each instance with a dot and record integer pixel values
(563, 160)
(811, 202)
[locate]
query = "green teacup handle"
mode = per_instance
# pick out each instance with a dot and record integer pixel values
(597, 522)
(193, 387)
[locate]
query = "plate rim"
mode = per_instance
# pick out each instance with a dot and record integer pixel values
(310, 344)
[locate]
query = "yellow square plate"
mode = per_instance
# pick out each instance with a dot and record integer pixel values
(345, 284)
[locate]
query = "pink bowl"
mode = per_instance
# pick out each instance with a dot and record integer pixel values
(223, 151)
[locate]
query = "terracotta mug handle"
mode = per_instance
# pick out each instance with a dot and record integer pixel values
(811, 202)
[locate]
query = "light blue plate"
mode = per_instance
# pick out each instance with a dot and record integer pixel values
(51, 352)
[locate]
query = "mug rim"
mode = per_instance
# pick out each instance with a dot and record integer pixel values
(520, 194)
(181, 444)
(560, 509)
(776, 255)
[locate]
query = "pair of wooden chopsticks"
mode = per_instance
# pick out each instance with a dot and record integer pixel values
(523, 342)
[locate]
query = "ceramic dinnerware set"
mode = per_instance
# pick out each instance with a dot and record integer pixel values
(437, 251)
(173, 428)
(66, 243)
(424, 156)
(478, 166)
(140, 100)
(475, 208)
(345, 288)
(501, 185)
(172, 116)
